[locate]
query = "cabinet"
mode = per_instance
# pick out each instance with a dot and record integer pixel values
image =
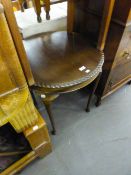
(117, 66)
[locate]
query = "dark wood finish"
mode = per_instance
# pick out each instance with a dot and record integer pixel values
(71, 15)
(37, 7)
(56, 60)
(93, 91)
(117, 66)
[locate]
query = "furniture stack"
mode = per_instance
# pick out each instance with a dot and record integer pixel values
(23, 132)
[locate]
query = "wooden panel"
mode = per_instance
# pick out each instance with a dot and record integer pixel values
(120, 72)
(70, 15)
(88, 15)
(93, 19)
(121, 11)
(38, 138)
(11, 73)
(124, 49)
(17, 40)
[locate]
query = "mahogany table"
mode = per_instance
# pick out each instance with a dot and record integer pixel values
(62, 63)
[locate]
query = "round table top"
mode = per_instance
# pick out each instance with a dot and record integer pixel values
(60, 59)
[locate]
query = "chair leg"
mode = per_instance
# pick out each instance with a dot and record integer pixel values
(37, 6)
(47, 9)
(21, 2)
(92, 93)
(47, 15)
(48, 108)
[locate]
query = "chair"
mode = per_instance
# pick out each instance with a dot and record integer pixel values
(24, 4)
(46, 4)
(66, 61)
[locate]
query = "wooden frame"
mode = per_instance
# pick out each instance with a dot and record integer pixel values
(17, 40)
(36, 133)
(40, 147)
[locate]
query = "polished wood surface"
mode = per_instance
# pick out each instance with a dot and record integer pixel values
(56, 58)
(62, 62)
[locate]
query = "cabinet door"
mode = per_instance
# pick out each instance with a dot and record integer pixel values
(123, 54)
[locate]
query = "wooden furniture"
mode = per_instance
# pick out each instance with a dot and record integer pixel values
(46, 4)
(63, 62)
(16, 5)
(24, 4)
(117, 65)
(16, 105)
(17, 39)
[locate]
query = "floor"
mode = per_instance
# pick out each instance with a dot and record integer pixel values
(95, 143)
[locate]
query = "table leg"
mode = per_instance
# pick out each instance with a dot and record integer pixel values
(98, 102)
(47, 100)
(92, 93)
(48, 108)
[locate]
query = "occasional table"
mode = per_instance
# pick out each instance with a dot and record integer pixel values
(62, 63)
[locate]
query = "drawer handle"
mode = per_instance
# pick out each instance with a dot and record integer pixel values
(110, 83)
(126, 55)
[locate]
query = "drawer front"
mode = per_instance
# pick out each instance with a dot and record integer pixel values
(124, 51)
(119, 73)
